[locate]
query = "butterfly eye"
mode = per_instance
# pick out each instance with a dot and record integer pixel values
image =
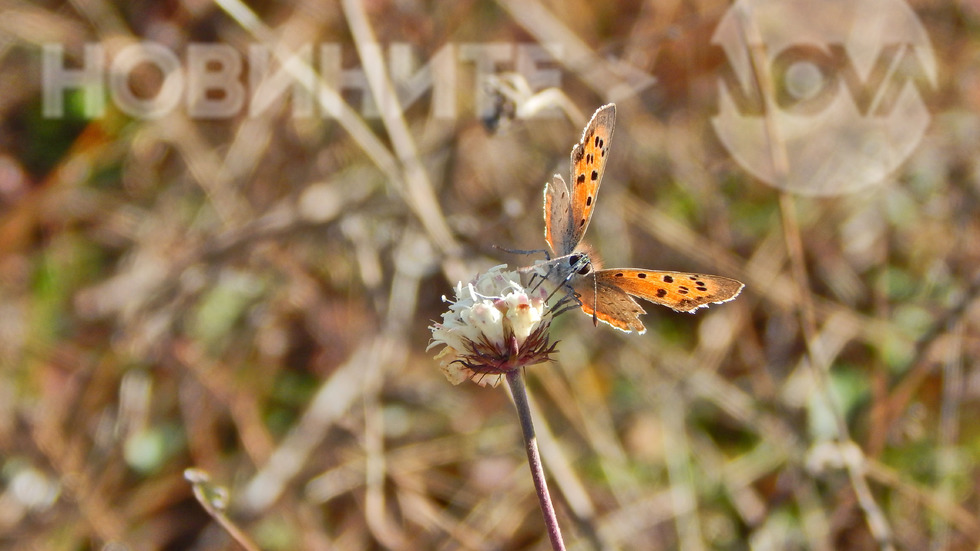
(576, 259)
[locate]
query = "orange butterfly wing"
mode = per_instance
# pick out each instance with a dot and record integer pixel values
(588, 163)
(558, 231)
(609, 304)
(681, 291)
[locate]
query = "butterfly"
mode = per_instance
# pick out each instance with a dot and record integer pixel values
(608, 295)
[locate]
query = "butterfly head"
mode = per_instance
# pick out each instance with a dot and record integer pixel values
(563, 269)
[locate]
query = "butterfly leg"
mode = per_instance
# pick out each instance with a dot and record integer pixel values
(537, 278)
(570, 301)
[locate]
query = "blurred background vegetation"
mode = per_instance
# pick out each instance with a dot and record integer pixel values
(250, 296)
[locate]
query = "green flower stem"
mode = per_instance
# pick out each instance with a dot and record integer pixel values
(515, 379)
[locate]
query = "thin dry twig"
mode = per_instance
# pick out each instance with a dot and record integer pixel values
(214, 500)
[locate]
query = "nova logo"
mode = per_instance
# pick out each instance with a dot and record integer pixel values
(844, 105)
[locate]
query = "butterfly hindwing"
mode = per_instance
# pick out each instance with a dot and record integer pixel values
(558, 217)
(609, 304)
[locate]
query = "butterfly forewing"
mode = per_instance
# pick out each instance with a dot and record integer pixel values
(680, 291)
(588, 163)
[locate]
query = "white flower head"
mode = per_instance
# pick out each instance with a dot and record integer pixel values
(494, 326)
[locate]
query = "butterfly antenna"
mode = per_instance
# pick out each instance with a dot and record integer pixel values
(547, 255)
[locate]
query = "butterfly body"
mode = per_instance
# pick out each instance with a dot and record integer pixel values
(608, 295)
